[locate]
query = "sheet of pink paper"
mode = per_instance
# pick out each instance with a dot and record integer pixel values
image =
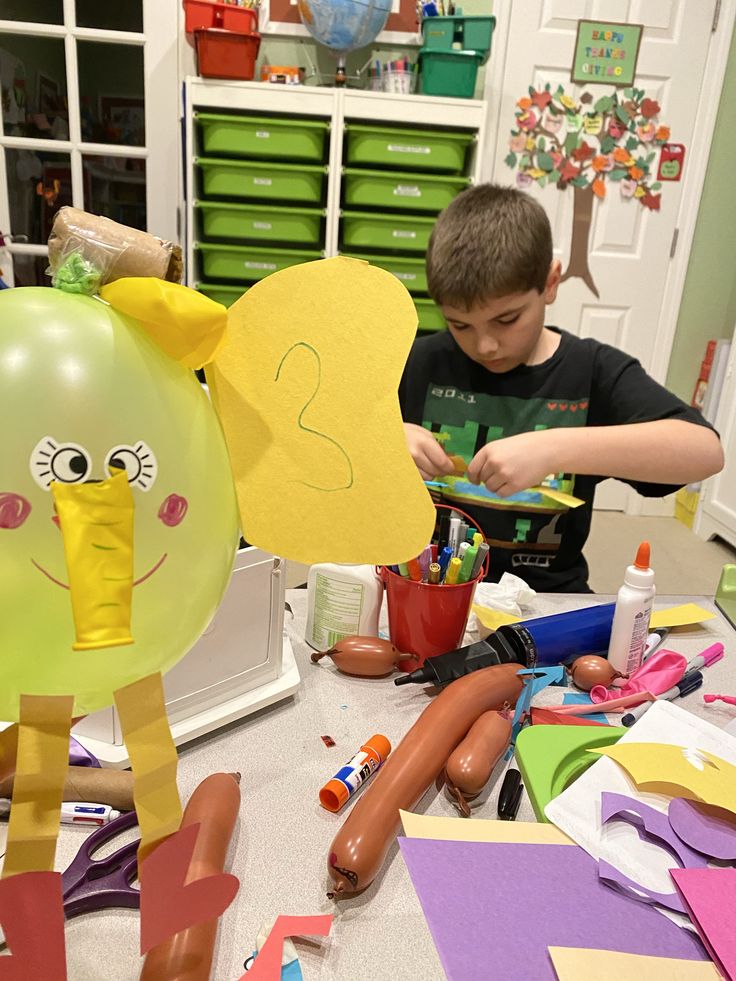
(616, 705)
(711, 898)
(32, 919)
(267, 965)
(170, 904)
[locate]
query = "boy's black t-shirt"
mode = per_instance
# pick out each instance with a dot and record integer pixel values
(584, 383)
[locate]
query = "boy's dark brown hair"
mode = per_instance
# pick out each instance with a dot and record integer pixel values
(490, 242)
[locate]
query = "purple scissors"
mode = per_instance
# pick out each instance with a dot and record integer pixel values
(98, 883)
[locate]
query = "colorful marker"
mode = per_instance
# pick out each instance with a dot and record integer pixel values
(415, 571)
(454, 539)
(468, 563)
(483, 550)
(444, 560)
(477, 539)
(452, 571)
(462, 549)
(424, 559)
(433, 576)
(403, 570)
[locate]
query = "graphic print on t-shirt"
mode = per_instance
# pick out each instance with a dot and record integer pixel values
(529, 523)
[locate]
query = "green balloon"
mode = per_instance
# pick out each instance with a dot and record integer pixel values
(81, 387)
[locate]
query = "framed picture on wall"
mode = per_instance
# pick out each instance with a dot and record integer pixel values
(281, 17)
(48, 95)
(123, 119)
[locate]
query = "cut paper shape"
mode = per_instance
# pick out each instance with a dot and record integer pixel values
(153, 759)
(32, 921)
(568, 500)
(582, 964)
(170, 904)
(653, 824)
(41, 767)
(677, 771)
(552, 757)
(552, 888)
(680, 616)
(583, 698)
(306, 389)
(267, 966)
(711, 898)
(96, 520)
(493, 619)
(458, 829)
(703, 828)
(546, 717)
(187, 325)
(535, 680)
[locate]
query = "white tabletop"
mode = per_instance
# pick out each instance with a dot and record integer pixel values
(281, 843)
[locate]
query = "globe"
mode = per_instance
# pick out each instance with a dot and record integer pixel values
(344, 25)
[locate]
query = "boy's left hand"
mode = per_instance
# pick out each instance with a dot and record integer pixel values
(507, 466)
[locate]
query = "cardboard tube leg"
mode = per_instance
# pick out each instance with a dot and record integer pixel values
(113, 787)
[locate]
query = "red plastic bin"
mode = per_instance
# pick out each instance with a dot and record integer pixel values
(225, 54)
(206, 14)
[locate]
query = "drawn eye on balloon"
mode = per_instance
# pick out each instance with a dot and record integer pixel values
(69, 463)
(316, 432)
(138, 461)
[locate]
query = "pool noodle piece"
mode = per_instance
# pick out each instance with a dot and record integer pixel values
(711, 897)
(704, 828)
(267, 965)
(32, 921)
(583, 964)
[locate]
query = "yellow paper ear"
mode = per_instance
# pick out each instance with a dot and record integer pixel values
(188, 326)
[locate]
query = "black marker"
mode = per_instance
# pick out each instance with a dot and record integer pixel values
(509, 796)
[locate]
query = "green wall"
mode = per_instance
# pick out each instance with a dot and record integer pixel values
(708, 308)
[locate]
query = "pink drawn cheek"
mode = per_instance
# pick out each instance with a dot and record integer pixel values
(14, 510)
(173, 509)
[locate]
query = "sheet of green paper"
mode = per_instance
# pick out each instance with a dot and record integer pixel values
(460, 829)
(581, 964)
(680, 616)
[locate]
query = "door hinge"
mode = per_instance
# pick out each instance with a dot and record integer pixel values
(673, 246)
(716, 17)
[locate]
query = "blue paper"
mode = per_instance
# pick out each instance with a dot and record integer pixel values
(581, 698)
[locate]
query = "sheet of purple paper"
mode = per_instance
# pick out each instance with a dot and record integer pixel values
(711, 897)
(504, 904)
(582, 698)
(706, 829)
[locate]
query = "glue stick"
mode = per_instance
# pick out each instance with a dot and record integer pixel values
(336, 792)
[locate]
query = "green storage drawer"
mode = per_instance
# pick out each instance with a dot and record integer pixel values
(450, 73)
(430, 315)
(250, 263)
(365, 231)
(226, 295)
(405, 192)
(258, 181)
(220, 219)
(411, 272)
(407, 149)
(470, 33)
(262, 136)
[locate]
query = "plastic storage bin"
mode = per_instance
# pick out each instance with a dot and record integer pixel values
(262, 137)
(430, 315)
(226, 295)
(220, 219)
(225, 54)
(471, 33)
(451, 73)
(407, 149)
(202, 14)
(258, 181)
(249, 263)
(402, 192)
(411, 272)
(367, 231)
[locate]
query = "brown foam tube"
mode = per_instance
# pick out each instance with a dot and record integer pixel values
(101, 785)
(360, 847)
(367, 657)
(470, 766)
(187, 956)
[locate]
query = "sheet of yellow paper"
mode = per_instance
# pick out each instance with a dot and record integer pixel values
(677, 772)
(560, 496)
(41, 769)
(680, 616)
(153, 759)
(460, 829)
(96, 520)
(306, 388)
(579, 964)
(493, 619)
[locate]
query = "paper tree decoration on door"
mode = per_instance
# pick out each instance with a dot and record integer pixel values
(587, 144)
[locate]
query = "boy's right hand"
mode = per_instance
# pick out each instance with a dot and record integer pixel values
(430, 458)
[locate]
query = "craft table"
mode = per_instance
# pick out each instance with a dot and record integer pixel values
(280, 846)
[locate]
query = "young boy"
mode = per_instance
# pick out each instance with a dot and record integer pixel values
(519, 401)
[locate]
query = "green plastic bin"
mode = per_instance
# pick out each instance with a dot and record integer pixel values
(226, 295)
(221, 219)
(262, 136)
(407, 149)
(470, 33)
(451, 73)
(361, 230)
(249, 263)
(430, 315)
(257, 181)
(403, 192)
(411, 272)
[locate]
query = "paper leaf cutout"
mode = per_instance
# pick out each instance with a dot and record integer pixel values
(711, 897)
(267, 965)
(705, 829)
(32, 920)
(306, 389)
(170, 904)
(581, 964)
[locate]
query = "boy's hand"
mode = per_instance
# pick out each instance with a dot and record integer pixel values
(430, 458)
(507, 466)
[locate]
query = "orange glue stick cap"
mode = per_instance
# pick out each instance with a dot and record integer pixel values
(337, 791)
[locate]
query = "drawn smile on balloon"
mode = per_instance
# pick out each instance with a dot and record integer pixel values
(136, 582)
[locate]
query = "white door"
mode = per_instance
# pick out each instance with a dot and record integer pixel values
(616, 252)
(90, 108)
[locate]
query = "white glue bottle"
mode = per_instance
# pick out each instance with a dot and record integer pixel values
(631, 616)
(342, 601)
